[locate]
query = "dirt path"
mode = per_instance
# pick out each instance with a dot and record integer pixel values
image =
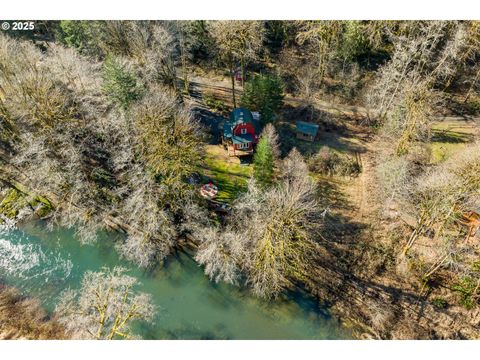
(360, 185)
(363, 186)
(221, 88)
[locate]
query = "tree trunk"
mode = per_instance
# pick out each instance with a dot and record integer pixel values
(232, 76)
(472, 85)
(184, 64)
(242, 65)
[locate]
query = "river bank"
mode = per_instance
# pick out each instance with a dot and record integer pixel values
(372, 308)
(23, 318)
(188, 305)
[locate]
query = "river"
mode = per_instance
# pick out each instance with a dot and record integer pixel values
(43, 263)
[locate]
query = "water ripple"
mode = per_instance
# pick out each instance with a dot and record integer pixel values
(29, 261)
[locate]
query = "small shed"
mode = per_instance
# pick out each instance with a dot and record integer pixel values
(306, 131)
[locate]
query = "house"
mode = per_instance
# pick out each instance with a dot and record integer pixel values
(240, 133)
(306, 131)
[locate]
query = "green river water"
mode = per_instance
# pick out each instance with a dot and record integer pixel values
(43, 263)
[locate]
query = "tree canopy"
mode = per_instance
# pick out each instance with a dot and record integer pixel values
(264, 94)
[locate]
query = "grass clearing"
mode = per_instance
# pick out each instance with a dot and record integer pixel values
(226, 172)
(449, 137)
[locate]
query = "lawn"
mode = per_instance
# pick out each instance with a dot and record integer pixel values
(225, 172)
(448, 137)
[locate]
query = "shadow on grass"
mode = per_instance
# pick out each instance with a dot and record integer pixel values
(451, 137)
(330, 196)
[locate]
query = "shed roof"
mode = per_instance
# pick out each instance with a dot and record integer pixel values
(307, 128)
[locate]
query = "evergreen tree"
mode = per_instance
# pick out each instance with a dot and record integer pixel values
(263, 162)
(120, 83)
(354, 41)
(264, 94)
(80, 35)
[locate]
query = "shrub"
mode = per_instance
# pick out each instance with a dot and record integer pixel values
(468, 290)
(473, 107)
(439, 303)
(323, 162)
(213, 103)
(347, 166)
(329, 162)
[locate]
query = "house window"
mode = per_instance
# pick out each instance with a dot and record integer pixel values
(244, 145)
(243, 131)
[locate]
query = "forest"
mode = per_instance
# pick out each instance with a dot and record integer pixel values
(113, 126)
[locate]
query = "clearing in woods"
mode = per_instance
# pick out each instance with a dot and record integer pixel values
(226, 172)
(348, 196)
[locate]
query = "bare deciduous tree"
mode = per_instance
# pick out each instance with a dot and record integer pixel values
(444, 193)
(425, 55)
(270, 235)
(105, 306)
(323, 35)
(237, 41)
(170, 140)
(271, 134)
(218, 254)
(154, 234)
(294, 168)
